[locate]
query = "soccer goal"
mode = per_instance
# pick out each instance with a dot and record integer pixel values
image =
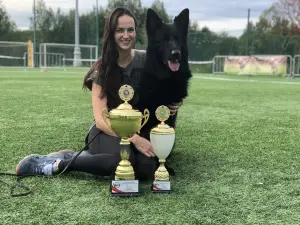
(89, 54)
(201, 66)
(12, 53)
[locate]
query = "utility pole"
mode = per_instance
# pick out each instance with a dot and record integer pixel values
(247, 33)
(97, 26)
(77, 53)
(34, 32)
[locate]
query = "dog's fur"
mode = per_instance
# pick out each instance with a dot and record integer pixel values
(160, 84)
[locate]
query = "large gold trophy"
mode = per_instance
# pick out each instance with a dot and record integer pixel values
(162, 138)
(125, 122)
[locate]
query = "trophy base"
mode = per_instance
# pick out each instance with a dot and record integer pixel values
(125, 188)
(162, 187)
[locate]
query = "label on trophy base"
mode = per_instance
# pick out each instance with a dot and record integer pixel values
(125, 187)
(161, 187)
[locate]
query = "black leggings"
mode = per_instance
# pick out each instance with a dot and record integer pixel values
(103, 156)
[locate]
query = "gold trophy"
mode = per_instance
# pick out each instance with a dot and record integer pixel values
(125, 122)
(162, 138)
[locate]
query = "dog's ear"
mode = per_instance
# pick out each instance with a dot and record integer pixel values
(182, 21)
(153, 21)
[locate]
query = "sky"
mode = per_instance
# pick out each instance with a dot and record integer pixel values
(218, 15)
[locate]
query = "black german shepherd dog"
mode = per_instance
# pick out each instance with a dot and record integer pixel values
(166, 73)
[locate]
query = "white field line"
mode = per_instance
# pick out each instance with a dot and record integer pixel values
(247, 81)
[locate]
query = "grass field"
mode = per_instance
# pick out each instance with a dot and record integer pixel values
(237, 154)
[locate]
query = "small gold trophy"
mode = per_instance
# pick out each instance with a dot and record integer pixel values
(162, 138)
(125, 122)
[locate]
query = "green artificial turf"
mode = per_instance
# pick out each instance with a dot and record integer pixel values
(236, 157)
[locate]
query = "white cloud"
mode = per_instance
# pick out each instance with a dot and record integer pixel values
(23, 5)
(27, 5)
(216, 14)
(21, 10)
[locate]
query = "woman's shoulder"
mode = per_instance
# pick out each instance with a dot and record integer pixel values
(140, 53)
(140, 57)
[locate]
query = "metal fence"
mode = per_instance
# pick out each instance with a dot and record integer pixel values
(52, 60)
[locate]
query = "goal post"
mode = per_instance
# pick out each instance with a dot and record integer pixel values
(201, 66)
(12, 53)
(89, 54)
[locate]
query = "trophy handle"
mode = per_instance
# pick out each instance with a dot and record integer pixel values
(105, 116)
(146, 117)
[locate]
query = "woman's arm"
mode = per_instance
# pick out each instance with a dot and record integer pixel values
(142, 144)
(98, 105)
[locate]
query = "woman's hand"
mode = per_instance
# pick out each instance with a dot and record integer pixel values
(143, 145)
(174, 107)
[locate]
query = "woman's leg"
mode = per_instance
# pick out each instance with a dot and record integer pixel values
(101, 158)
(102, 164)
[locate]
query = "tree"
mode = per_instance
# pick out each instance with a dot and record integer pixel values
(44, 21)
(278, 29)
(6, 25)
(288, 10)
(159, 7)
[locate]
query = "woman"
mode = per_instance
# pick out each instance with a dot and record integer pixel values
(120, 64)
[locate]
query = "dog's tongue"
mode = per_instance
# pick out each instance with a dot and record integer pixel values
(174, 66)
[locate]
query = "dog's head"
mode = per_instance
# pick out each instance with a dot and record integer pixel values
(168, 40)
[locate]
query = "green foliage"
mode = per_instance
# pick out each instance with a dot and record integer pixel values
(274, 33)
(6, 25)
(159, 7)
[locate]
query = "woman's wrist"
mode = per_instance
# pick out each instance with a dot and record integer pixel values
(134, 138)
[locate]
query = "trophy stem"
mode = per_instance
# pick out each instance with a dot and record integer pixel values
(124, 170)
(161, 174)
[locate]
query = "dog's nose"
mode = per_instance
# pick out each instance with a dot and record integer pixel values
(175, 54)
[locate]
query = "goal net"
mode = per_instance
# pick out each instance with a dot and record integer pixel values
(12, 53)
(201, 66)
(48, 54)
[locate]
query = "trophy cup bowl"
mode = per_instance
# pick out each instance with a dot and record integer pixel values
(125, 122)
(162, 138)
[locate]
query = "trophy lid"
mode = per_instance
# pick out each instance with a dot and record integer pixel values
(162, 114)
(126, 93)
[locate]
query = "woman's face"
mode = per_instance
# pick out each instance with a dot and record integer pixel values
(125, 34)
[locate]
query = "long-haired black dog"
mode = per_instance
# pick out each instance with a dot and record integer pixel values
(166, 72)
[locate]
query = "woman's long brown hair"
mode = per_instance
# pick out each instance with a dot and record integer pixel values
(110, 55)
